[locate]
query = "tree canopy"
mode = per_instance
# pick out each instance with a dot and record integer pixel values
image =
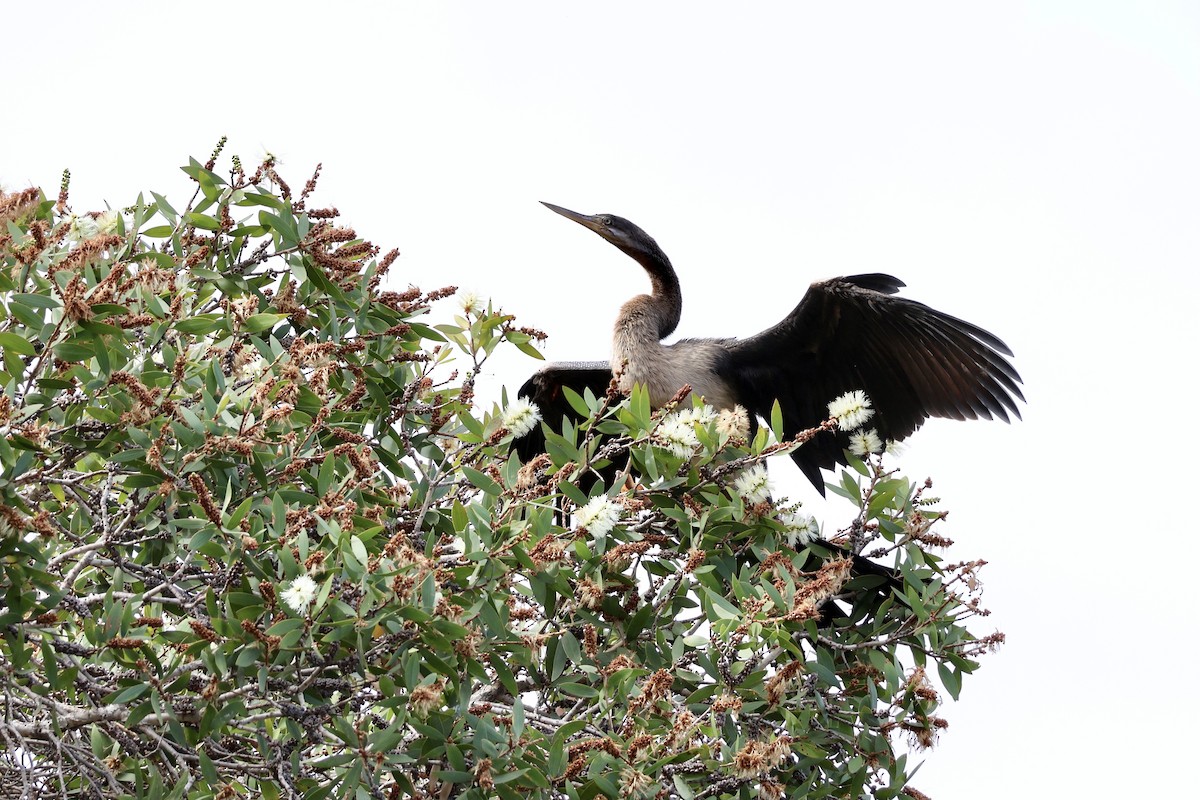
(258, 537)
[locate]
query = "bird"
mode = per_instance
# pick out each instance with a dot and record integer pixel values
(847, 334)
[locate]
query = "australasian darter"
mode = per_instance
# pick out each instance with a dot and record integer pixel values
(847, 334)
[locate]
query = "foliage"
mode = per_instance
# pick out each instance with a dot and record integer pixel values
(258, 539)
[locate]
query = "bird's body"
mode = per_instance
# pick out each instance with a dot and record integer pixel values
(846, 334)
(663, 369)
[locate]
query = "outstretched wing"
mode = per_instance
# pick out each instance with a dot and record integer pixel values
(855, 333)
(545, 389)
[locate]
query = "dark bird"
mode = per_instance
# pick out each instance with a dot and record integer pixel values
(850, 333)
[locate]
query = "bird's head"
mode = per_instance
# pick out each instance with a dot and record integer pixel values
(618, 231)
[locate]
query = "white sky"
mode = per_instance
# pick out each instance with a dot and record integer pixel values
(1031, 167)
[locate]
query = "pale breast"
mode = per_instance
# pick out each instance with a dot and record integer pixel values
(663, 369)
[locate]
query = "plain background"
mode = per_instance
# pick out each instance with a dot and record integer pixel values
(1031, 167)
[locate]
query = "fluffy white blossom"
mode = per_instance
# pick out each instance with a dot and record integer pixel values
(300, 593)
(106, 223)
(678, 435)
(753, 484)
(734, 422)
(894, 448)
(798, 528)
(599, 515)
(852, 410)
(864, 442)
(252, 368)
(521, 417)
(469, 302)
(82, 228)
(698, 415)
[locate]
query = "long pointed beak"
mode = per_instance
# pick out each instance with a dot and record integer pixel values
(589, 222)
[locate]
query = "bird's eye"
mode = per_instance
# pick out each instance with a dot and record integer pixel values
(606, 220)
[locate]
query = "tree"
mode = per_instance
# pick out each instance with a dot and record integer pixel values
(258, 538)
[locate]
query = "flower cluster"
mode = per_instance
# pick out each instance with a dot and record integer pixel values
(469, 302)
(864, 442)
(677, 436)
(852, 410)
(734, 422)
(677, 431)
(753, 484)
(521, 417)
(300, 593)
(599, 515)
(798, 528)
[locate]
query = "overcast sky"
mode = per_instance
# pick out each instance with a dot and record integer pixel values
(1031, 167)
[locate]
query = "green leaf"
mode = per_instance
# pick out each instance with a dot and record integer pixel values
(325, 475)
(573, 493)
(525, 347)
(257, 323)
(518, 721)
(359, 549)
(721, 607)
(203, 221)
(951, 679)
(130, 693)
(578, 403)
(777, 421)
(164, 207)
(202, 176)
(252, 198)
(75, 350)
(36, 300)
(850, 489)
(483, 482)
(19, 345)
(200, 323)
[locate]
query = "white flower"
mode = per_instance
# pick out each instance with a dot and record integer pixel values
(677, 435)
(852, 410)
(894, 448)
(106, 223)
(468, 302)
(599, 515)
(521, 417)
(300, 593)
(698, 415)
(734, 422)
(753, 484)
(253, 369)
(798, 528)
(424, 699)
(864, 442)
(82, 228)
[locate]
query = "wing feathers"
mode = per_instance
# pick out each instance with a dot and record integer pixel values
(854, 333)
(845, 334)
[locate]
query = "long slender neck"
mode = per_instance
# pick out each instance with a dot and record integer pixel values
(665, 303)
